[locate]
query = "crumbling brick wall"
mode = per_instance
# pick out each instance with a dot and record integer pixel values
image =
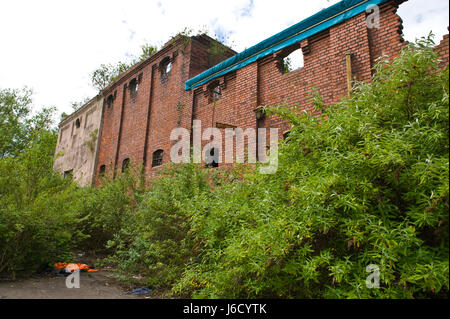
(134, 128)
(325, 70)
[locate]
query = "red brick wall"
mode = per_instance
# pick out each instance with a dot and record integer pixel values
(263, 83)
(136, 128)
(443, 51)
(387, 40)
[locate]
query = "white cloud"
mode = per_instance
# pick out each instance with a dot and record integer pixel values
(52, 46)
(422, 16)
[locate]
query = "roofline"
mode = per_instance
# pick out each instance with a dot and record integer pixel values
(314, 24)
(82, 108)
(140, 65)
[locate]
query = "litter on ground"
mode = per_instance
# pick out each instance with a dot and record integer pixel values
(70, 267)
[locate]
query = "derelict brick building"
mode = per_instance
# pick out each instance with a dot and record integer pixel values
(184, 81)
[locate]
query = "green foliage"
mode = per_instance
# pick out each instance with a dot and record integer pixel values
(365, 182)
(362, 182)
(155, 240)
(287, 65)
(17, 123)
(107, 208)
(108, 73)
(147, 51)
(76, 106)
(36, 227)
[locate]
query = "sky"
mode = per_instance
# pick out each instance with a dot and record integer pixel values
(53, 46)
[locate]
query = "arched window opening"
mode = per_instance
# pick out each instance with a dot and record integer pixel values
(77, 123)
(125, 164)
(157, 158)
(293, 61)
(102, 170)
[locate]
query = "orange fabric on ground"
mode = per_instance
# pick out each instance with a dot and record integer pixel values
(71, 267)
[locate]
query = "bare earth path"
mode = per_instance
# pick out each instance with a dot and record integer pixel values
(92, 286)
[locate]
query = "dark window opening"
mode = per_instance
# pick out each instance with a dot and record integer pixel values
(110, 101)
(77, 123)
(157, 158)
(68, 174)
(212, 158)
(134, 86)
(102, 170)
(166, 66)
(125, 164)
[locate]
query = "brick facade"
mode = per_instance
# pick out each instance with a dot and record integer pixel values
(135, 127)
(263, 83)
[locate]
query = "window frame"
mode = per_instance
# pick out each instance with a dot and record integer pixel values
(157, 158)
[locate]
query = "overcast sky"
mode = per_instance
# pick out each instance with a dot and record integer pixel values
(53, 46)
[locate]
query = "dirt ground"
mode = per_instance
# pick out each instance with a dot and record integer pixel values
(92, 286)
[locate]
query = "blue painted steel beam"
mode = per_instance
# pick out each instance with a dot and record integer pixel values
(318, 22)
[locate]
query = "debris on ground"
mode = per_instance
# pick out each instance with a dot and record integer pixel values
(140, 291)
(71, 267)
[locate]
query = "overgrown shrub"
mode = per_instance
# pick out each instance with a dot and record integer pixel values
(155, 240)
(108, 207)
(36, 224)
(366, 182)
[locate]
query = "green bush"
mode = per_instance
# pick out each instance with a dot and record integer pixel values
(363, 182)
(37, 226)
(155, 239)
(107, 208)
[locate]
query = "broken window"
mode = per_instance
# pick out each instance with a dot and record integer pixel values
(293, 61)
(216, 93)
(134, 86)
(102, 170)
(125, 164)
(166, 66)
(157, 158)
